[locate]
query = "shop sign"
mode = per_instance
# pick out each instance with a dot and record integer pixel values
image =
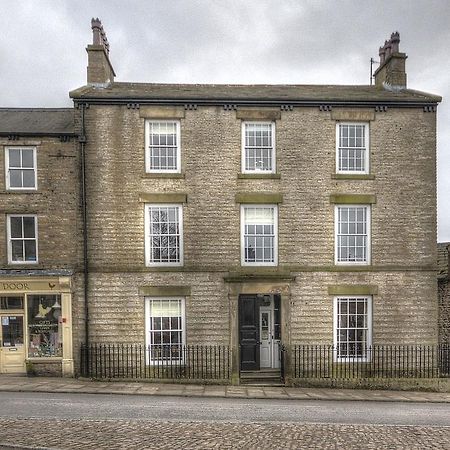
(28, 286)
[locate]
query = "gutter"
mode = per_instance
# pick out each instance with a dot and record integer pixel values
(82, 140)
(256, 102)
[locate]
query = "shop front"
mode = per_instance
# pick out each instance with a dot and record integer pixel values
(36, 326)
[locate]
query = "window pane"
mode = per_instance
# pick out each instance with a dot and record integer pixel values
(29, 178)
(15, 178)
(17, 251)
(30, 251)
(16, 227)
(27, 158)
(14, 158)
(28, 227)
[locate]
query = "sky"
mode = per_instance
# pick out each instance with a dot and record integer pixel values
(43, 57)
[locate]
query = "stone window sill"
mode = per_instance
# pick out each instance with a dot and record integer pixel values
(259, 176)
(162, 175)
(352, 176)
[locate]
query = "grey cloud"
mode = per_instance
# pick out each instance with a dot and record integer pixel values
(42, 50)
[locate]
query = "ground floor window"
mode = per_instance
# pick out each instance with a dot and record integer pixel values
(165, 329)
(352, 327)
(44, 326)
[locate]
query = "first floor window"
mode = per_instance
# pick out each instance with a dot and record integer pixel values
(258, 150)
(22, 239)
(163, 146)
(20, 163)
(352, 148)
(352, 327)
(44, 326)
(259, 235)
(352, 225)
(164, 235)
(165, 329)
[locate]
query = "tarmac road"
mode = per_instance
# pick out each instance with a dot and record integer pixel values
(104, 406)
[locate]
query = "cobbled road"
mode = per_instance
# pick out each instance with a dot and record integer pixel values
(86, 421)
(140, 434)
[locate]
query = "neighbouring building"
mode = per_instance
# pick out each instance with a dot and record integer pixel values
(444, 292)
(241, 215)
(39, 195)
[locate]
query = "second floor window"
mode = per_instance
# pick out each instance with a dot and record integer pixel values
(22, 239)
(20, 164)
(352, 153)
(258, 149)
(352, 234)
(163, 146)
(164, 235)
(259, 228)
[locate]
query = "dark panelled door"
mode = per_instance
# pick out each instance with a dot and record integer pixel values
(249, 332)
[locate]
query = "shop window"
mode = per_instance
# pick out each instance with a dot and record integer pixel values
(11, 302)
(44, 326)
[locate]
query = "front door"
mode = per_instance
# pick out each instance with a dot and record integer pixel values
(12, 349)
(249, 332)
(265, 336)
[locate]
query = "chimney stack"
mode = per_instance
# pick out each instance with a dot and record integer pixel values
(391, 73)
(99, 71)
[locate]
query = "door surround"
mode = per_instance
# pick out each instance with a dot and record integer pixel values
(251, 285)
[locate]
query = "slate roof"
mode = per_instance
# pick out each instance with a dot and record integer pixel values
(253, 92)
(36, 121)
(443, 250)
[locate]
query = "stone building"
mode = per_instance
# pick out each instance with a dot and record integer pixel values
(254, 215)
(444, 292)
(39, 202)
(244, 215)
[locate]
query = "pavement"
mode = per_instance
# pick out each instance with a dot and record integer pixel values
(86, 386)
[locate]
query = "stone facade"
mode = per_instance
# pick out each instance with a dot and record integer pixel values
(444, 292)
(400, 188)
(109, 266)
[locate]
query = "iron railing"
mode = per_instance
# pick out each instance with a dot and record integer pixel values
(194, 362)
(378, 361)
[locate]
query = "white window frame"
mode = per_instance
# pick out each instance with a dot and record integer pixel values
(147, 307)
(253, 122)
(147, 207)
(7, 168)
(9, 240)
(368, 241)
(366, 153)
(369, 301)
(275, 241)
(148, 169)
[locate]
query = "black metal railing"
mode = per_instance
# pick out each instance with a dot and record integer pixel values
(378, 361)
(283, 356)
(194, 362)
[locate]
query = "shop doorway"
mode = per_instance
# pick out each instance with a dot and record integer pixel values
(12, 348)
(259, 331)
